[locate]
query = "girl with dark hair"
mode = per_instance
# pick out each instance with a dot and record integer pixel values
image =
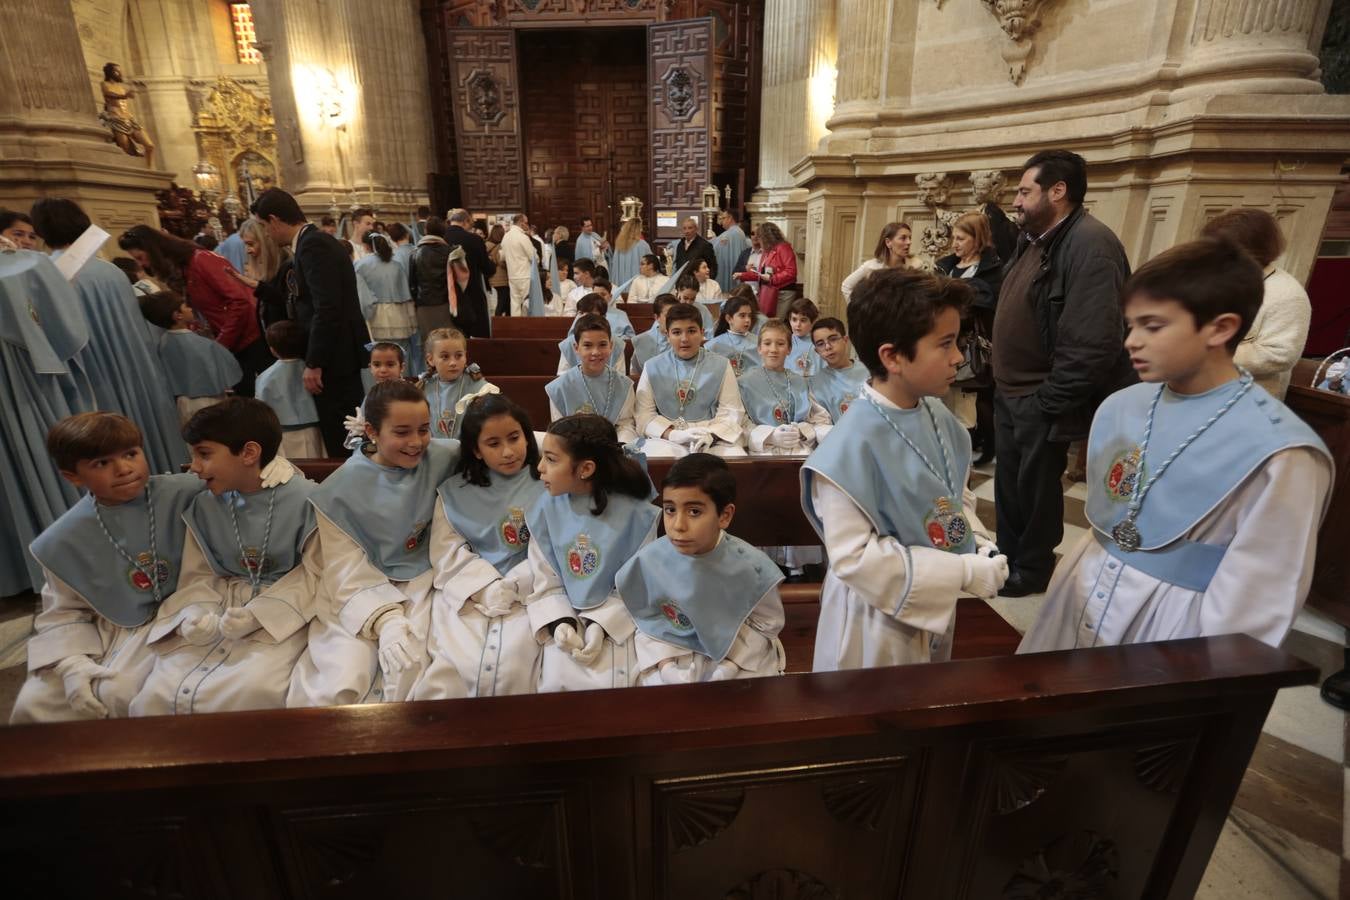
(367, 641)
(390, 313)
(481, 643)
(596, 515)
(737, 337)
(18, 229)
(205, 280)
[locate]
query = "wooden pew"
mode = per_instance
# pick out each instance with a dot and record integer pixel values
(554, 328)
(521, 356)
(528, 391)
(1110, 769)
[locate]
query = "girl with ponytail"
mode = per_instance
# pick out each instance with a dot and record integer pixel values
(386, 299)
(596, 513)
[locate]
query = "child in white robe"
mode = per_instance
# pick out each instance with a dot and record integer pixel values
(109, 562)
(594, 386)
(450, 381)
(784, 419)
(1205, 494)
(653, 341)
(886, 489)
(709, 291)
(583, 275)
(801, 318)
(555, 306)
(706, 603)
(687, 399)
(282, 387)
(200, 371)
(229, 636)
(839, 378)
(647, 285)
(596, 515)
(481, 642)
(367, 641)
(737, 332)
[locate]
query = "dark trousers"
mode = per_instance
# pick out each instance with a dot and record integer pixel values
(339, 399)
(1028, 493)
(503, 300)
(252, 360)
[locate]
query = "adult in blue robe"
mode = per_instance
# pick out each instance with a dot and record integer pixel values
(728, 247)
(623, 264)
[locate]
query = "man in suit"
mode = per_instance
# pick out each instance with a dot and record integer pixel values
(472, 317)
(326, 306)
(694, 246)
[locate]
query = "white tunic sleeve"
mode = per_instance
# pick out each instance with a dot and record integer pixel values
(554, 414)
(286, 605)
(460, 573)
(1267, 570)
(755, 640)
(547, 601)
(856, 276)
(67, 626)
(650, 423)
(627, 424)
(360, 593)
(563, 364)
(917, 586)
(726, 424)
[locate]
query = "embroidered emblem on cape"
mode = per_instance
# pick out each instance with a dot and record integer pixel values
(684, 392)
(513, 528)
(418, 536)
(678, 620)
(1123, 475)
(582, 558)
(585, 409)
(736, 365)
(804, 365)
(139, 580)
(947, 527)
(843, 404)
(446, 424)
(254, 561)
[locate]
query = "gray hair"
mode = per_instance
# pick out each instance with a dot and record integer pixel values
(457, 216)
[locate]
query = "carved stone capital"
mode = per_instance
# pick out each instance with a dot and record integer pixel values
(987, 186)
(935, 188)
(1020, 20)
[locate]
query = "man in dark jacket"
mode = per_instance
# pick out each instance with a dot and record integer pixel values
(1058, 352)
(325, 304)
(472, 317)
(694, 246)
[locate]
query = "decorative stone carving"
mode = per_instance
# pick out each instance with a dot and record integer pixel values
(1215, 19)
(237, 134)
(681, 93)
(934, 188)
(485, 97)
(987, 186)
(934, 191)
(1020, 20)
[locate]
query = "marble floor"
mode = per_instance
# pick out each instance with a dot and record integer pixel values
(1285, 838)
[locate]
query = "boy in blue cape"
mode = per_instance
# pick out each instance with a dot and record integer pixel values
(1204, 492)
(199, 370)
(594, 386)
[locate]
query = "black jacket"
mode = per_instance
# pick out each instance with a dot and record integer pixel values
(986, 281)
(700, 247)
(427, 281)
(326, 304)
(1076, 300)
(473, 305)
(273, 296)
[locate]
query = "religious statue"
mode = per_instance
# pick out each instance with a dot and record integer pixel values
(127, 133)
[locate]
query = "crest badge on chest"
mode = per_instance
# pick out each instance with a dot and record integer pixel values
(946, 525)
(1123, 475)
(513, 528)
(445, 426)
(676, 617)
(778, 415)
(844, 403)
(138, 578)
(583, 558)
(253, 561)
(684, 392)
(417, 537)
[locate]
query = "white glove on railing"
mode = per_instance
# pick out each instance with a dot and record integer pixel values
(395, 644)
(785, 437)
(201, 630)
(77, 676)
(238, 623)
(680, 436)
(356, 430)
(984, 575)
(726, 670)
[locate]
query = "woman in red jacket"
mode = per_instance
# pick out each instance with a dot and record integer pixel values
(777, 267)
(204, 279)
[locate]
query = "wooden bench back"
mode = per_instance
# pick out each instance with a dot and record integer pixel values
(1110, 769)
(1329, 415)
(551, 327)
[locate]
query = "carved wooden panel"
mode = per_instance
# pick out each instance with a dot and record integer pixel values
(585, 126)
(680, 72)
(737, 33)
(715, 836)
(486, 113)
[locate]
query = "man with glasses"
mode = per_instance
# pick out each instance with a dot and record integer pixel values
(840, 381)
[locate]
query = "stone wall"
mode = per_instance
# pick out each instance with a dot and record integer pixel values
(1182, 108)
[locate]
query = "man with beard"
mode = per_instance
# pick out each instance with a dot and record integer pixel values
(1058, 352)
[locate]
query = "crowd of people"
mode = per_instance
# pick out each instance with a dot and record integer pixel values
(461, 550)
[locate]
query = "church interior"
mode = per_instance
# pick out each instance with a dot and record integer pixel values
(1215, 766)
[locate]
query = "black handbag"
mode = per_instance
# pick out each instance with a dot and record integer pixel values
(977, 369)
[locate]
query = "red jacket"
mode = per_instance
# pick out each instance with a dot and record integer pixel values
(783, 261)
(228, 307)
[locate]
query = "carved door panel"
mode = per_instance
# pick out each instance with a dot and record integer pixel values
(680, 77)
(486, 107)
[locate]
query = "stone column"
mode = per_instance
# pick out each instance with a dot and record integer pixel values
(349, 89)
(50, 138)
(798, 98)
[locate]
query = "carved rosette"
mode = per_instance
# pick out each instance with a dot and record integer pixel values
(485, 97)
(1079, 866)
(693, 819)
(1020, 20)
(1020, 781)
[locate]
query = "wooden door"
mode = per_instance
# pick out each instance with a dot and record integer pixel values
(680, 72)
(486, 106)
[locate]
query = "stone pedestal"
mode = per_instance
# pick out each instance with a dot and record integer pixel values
(350, 93)
(51, 142)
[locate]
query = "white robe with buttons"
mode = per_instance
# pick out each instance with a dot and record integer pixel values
(756, 650)
(341, 665)
(1270, 525)
(471, 654)
(884, 603)
(726, 424)
(616, 665)
(253, 672)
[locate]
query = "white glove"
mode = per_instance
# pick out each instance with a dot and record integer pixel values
(680, 436)
(785, 437)
(984, 575)
(1337, 369)
(396, 643)
(726, 670)
(201, 630)
(671, 673)
(703, 439)
(565, 636)
(498, 598)
(77, 675)
(277, 472)
(595, 639)
(238, 623)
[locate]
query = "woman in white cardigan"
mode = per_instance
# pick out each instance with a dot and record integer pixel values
(892, 252)
(1280, 329)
